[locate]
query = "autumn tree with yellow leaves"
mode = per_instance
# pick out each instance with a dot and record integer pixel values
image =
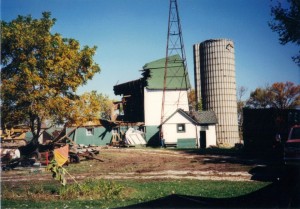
(90, 107)
(195, 105)
(41, 72)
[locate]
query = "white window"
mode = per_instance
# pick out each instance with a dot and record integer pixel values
(89, 131)
(181, 128)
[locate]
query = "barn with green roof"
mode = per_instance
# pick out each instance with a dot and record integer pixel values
(142, 98)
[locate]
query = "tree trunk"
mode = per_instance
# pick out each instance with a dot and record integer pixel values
(33, 145)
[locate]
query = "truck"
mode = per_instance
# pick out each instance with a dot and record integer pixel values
(292, 147)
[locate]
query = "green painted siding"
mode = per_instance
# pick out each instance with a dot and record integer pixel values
(152, 136)
(100, 136)
(186, 143)
(28, 136)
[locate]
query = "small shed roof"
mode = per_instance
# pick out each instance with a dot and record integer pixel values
(197, 118)
(204, 117)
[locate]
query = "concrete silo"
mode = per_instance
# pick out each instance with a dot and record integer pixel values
(215, 85)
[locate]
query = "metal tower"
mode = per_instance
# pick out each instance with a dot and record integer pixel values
(174, 45)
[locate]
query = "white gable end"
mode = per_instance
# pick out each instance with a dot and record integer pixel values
(178, 118)
(180, 127)
(174, 99)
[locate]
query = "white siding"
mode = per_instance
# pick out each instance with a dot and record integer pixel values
(191, 131)
(174, 99)
(171, 135)
(170, 129)
(211, 138)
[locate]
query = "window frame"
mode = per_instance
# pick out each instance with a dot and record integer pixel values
(89, 131)
(181, 125)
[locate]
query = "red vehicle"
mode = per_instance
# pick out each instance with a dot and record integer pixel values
(292, 147)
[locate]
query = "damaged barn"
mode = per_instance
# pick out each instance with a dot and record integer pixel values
(132, 100)
(142, 98)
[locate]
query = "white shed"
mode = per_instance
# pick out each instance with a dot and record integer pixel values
(190, 129)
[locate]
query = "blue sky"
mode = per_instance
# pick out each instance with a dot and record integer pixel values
(130, 33)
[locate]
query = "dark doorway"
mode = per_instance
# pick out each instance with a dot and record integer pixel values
(202, 139)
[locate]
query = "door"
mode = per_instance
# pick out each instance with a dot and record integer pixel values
(202, 139)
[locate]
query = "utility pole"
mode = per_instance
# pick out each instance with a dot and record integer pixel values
(174, 46)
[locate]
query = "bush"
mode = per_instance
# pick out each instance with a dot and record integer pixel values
(91, 189)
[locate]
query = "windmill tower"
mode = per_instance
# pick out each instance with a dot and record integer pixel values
(175, 46)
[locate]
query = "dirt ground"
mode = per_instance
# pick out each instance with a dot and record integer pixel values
(146, 163)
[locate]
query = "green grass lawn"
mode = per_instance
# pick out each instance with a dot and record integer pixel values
(111, 194)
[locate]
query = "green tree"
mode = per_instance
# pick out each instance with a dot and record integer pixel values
(279, 95)
(286, 22)
(259, 98)
(40, 72)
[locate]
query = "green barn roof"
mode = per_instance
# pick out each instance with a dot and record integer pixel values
(176, 77)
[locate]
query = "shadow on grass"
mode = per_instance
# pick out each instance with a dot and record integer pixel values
(282, 193)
